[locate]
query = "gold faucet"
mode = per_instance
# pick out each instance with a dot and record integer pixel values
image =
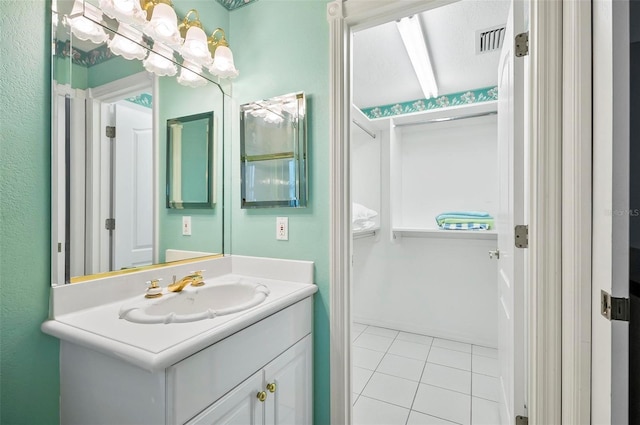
(195, 279)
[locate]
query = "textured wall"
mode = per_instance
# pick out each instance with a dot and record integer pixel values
(29, 358)
(282, 46)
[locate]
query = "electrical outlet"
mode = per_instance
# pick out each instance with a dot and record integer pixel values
(186, 225)
(282, 228)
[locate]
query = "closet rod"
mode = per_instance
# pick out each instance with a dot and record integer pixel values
(373, 135)
(461, 117)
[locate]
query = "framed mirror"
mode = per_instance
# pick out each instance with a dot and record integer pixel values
(190, 161)
(109, 156)
(273, 152)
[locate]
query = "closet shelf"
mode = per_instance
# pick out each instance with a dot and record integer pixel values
(358, 234)
(446, 234)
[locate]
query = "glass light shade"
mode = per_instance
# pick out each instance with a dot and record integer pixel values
(84, 28)
(127, 11)
(223, 63)
(163, 25)
(190, 75)
(127, 43)
(158, 63)
(195, 48)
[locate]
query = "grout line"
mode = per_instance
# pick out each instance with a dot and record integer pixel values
(420, 380)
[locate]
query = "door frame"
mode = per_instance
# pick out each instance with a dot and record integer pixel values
(560, 249)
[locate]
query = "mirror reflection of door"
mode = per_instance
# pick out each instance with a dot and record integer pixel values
(132, 197)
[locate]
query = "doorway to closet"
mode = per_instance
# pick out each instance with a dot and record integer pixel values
(430, 295)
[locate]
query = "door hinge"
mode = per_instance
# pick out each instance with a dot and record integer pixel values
(111, 131)
(110, 224)
(522, 44)
(522, 420)
(521, 232)
(614, 308)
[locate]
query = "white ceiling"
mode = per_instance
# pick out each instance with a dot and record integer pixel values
(382, 72)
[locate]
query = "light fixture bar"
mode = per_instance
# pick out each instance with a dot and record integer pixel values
(413, 39)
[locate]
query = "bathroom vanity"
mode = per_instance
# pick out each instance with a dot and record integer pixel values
(248, 367)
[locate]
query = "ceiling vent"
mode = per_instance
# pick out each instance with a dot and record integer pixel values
(490, 39)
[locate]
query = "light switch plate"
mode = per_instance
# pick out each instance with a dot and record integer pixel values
(186, 225)
(282, 228)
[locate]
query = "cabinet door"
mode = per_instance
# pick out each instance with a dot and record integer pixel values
(290, 400)
(241, 406)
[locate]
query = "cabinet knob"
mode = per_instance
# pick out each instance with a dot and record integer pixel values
(271, 387)
(262, 396)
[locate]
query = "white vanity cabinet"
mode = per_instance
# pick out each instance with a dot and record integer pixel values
(278, 394)
(218, 384)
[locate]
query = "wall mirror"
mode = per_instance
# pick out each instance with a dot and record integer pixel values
(109, 159)
(273, 152)
(190, 159)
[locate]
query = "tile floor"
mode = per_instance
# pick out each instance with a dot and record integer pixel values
(401, 378)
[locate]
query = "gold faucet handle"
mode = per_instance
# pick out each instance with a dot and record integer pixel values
(154, 290)
(198, 280)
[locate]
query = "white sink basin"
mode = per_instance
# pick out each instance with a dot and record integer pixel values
(192, 304)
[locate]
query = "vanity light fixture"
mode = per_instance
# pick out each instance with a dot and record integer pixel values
(158, 61)
(190, 74)
(413, 39)
(222, 65)
(195, 46)
(82, 25)
(124, 11)
(127, 43)
(163, 25)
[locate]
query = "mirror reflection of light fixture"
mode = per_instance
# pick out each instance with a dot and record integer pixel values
(81, 23)
(195, 46)
(413, 39)
(163, 25)
(190, 74)
(127, 43)
(222, 65)
(158, 63)
(126, 11)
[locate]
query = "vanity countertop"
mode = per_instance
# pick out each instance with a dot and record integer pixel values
(156, 346)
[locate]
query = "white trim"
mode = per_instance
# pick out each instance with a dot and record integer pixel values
(576, 213)
(545, 134)
(122, 88)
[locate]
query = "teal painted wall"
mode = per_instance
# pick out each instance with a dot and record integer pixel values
(29, 382)
(282, 46)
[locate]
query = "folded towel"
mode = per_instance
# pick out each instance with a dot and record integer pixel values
(465, 220)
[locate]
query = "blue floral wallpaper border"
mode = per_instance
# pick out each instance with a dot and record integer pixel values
(80, 57)
(485, 94)
(143, 99)
(234, 4)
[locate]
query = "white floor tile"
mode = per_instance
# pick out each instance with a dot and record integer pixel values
(402, 367)
(445, 404)
(484, 386)
(417, 418)
(484, 412)
(447, 377)
(358, 327)
(409, 349)
(450, 358)
(485, 366)
(452, 345)
(364, 358)
(417, 338)
(389, 333)
(355, 335)
(479, 350)
(373, 412)
(373, 342)
(360, 377)
(391, 389)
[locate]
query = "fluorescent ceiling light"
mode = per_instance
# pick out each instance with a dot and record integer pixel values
(413, 39)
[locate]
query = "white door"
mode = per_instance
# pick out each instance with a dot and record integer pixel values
(241, 406)
(512, 190)
(289, 388)
(133, 188)
(610, 245)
